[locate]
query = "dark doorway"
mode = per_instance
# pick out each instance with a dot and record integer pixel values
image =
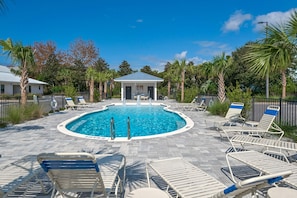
(128, 92)
(150, 91)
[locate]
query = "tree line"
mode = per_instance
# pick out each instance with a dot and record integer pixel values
(81, 69)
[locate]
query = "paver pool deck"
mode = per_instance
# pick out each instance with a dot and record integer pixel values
(200, 145)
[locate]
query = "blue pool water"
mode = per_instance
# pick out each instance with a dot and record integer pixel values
(145, 120)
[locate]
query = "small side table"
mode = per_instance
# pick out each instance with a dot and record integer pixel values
(277, 192)
(148, 193)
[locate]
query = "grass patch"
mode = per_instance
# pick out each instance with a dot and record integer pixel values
(19, 114)
(290, 132)
(219, 108)
(14, 115)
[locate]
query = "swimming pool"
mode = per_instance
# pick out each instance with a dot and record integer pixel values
(145, 121)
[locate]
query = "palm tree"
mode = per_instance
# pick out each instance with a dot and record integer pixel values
(206, 70)
(169, 75)
(191, 72)
(220, 63)
(90, 76)
(276, 52)
(100, 77)
(108, 78)
(291, 26)
(180, 67)
(24, 56)
(114, 74)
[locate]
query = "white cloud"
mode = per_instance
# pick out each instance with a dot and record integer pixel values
(139, 20)
(182, 55)
(206, 43)
(235, 21)
(196, 60)
(212, 48)
(273, 18)
(160, 66)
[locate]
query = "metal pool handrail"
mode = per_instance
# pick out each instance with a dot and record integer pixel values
(128, 128)
(112, 129)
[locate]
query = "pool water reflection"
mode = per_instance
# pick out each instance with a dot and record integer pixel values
(145, 120)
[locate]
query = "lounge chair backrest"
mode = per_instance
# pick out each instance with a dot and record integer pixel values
(235, 109)
(202, 103)
(77, 172)
(69, 101)
(82, 101)
(268, 117)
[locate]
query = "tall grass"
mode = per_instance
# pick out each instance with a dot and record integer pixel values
(19, 114)
(290, 131)
(14, 115)
(219, 108)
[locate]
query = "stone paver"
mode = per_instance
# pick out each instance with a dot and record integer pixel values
(200, 145)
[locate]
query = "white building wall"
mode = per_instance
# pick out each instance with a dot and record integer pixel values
(35, 89)
(8, 88)
(137, 89)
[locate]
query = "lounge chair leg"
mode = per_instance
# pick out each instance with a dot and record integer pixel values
(230, 169)
(148, 177)
(53, 193)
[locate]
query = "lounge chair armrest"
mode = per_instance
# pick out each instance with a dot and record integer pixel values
(280, 133)
(236, 118)
(263, 133)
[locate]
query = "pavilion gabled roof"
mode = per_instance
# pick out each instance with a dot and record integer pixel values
(139, 77)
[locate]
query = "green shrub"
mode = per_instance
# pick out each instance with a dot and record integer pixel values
(19, 114)
(236, 94)
(56, 89)
(33, 111)
(14, 115)
(163, 91)
(116, 96)
(70, 91)
(190, 94)
(96, 95)
(218, 108)
(290, 131)
(177, 95)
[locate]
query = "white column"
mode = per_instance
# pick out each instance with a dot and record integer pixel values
(156, 91)
(122, 91)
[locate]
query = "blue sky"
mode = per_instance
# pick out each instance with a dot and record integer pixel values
(143, 32)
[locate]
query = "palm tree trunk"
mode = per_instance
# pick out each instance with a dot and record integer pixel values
(168, 88)
(105, 89)
(221, 88)
(182, 86)
(23, 84)
(92, 90)
(111, 87)
(284, 84)
(100, 90)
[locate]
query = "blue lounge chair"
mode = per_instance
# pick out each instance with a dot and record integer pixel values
(188, 181)
(84, 174)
